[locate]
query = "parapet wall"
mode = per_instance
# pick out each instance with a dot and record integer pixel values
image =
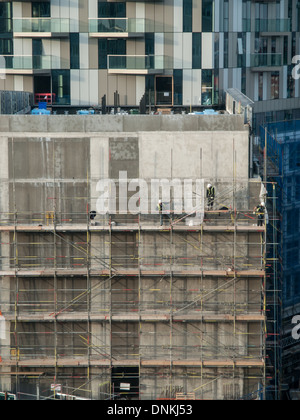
(120, 123)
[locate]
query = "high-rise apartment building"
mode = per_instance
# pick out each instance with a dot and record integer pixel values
(181, 53)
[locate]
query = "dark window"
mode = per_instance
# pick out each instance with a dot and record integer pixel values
(187, 14)
(177, 80)
(106, 10)
(294, 156)
(110, 47)
(275, 85)
(40, 9)
(292, 222)
(74, 50)
(37, 46)
(207, 87)
(164, 90)
(207, 15)
(5, 10)
(6, 46)
(5, 17)
(196, 50)
(150, 89)
(225, 50)
(61, 86)
(149, 43)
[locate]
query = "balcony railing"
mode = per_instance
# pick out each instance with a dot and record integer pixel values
(138, 63)
(265, 60)
(272, 25)
(35, 62)
(41, 25)
(121, 26)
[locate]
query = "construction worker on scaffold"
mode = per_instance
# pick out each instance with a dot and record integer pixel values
(210, 195)
(260, 211)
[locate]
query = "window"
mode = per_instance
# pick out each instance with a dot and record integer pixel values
(275, 85)
(149, 43)
(109, 47)
(207, 16)
(260, 86)
(5, 17)
(292, 222)
(241, 50)
(294, 156)
(107, 10)
(196, 50)
(74, 50)
(6, 46)
(177, 80)
(187, 16)
(225, 50)
(61, 86)
(40, 9)
(207, 87)
(37, 46)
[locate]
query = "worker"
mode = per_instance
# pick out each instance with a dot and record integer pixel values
(210, 195)
(92, 217)
(260, 212)
(160, 209)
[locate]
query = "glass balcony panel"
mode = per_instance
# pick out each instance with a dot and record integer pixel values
(139, 62)
(36, 62)
(273, 25)
(122, 25)
(265, 60)
(54, 25)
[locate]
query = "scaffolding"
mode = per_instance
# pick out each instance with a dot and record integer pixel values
(120, 306)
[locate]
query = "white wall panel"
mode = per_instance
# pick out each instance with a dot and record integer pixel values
(178, 21)
(207, 50)
(140, 10)
(74, 16)
(159, 44)
(55, 8)
(140, 88)
(93, 87)
(17, 9)
(18, 83)
(187, 50)
(65, 8)
(187, 87)
(74, 87)
(84, 50)
(177, 50)
(55, 52)
(221, 50)
(196, 87)
(84, 88)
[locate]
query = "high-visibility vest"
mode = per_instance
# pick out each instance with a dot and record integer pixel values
(260, 210)
(210, 192)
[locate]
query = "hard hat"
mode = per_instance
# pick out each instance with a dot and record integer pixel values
(159, 201)
(262, 203)
(209, 185)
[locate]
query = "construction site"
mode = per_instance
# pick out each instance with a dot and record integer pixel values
(122, 304)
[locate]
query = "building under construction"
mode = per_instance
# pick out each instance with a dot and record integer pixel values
(111, 305)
